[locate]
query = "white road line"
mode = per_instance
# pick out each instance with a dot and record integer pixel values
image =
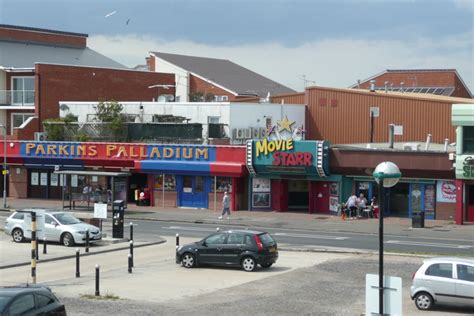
(310, 236)
(426, 244)
(190, 229)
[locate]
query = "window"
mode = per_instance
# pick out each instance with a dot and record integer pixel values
(223, 184)
(216, 239)
(22, 304)
(43, 300)
(213, 119)
(23, 90)
(220, 98)
(19, 216)
(49, 220)
(443, 270)
(170, 182)
(268, 122)
(248, 240)
(465, 273)
(235, 239)
(19, 118)
(468, 140)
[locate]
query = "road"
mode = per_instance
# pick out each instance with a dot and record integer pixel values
(316, 239)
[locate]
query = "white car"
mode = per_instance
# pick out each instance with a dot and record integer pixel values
(444, 281)
(58, 226)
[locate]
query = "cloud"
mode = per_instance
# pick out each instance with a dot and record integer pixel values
(330, 62)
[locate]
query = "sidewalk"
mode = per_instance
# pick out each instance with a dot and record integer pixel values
(283, 220)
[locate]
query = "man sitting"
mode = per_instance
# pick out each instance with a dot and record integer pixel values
(361, 205)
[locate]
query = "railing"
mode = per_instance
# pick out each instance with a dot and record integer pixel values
(17, 97)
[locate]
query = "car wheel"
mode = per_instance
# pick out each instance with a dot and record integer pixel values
(67, 240)
(266, 265)
(424, 301)
(249, 264)
(188, 260)
(17, 235)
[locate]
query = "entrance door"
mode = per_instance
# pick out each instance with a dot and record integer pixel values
(193, 192)
(470, 203)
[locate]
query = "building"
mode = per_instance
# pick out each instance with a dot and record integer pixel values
(463, 119)
(213, 79)
(445, 82)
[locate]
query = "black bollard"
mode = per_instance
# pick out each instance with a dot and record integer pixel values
(78, 273)
(97, 268)
(45, 251)
(177, 240)
(36, 250)
(87, 240)
(131, 250)
(129, 263)
(131, 231)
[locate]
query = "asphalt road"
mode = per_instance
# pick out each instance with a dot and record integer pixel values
(316, 239)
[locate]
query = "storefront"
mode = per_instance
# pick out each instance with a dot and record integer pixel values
(184, 175)
(291, 175)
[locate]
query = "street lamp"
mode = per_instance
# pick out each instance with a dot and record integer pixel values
(386, 174)
(4, 171)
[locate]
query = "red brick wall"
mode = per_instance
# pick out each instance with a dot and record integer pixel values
(42, 37)
(151, 62)
(198, 85)
(56, 83)
(18, 183)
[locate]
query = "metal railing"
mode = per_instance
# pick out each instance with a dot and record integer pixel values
(17, 97)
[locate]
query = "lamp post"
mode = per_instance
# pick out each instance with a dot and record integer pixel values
(4, 170)
(386, 175)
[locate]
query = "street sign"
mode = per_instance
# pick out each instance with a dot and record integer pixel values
(392, 295)
(39, 223)
(5, 171)
(100, 210)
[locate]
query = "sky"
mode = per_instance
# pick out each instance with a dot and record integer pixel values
(330, 43)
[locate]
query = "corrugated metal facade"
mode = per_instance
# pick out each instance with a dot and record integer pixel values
(295, 98)
(343, 116)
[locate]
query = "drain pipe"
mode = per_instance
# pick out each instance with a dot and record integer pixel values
(446, 144)
(391, 135)
(428, 142)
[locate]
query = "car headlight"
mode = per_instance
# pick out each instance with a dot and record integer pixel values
(82, 232)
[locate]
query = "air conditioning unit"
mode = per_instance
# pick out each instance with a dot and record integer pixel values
(247, 133)
(238, 133)
(411, 146)
(40, 137)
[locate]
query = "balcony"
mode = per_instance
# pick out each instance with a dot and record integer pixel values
(17, 97)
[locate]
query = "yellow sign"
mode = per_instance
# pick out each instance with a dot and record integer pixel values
(265, 146)
(4, 172)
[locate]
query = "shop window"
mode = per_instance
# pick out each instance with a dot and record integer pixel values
(170, 182)
(468, 140)
(223, 184)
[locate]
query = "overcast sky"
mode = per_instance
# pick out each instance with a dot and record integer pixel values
(332, 43)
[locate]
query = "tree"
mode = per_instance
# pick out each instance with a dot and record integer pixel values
(111, 113)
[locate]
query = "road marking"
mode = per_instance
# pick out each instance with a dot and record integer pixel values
(426, 244)
(190, 229)
(311, 236)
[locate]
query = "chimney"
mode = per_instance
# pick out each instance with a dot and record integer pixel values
(446, 144)
(428, 142)
(372, 85)
(386, 86)
(401, 86)
(391, 135)
(391, 87)
(358, 84)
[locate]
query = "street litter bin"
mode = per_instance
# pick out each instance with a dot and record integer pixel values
(118, 210)
(418, 220)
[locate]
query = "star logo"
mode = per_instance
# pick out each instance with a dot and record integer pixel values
(285, 124)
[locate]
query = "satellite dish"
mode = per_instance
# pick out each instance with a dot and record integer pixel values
(169, 98)
(162, 98)
(63, 107)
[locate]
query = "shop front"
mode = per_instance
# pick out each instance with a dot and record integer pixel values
(291, 175)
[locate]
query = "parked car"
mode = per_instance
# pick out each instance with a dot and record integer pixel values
(58, 227)
(444, 281)
(29, 300)
(243, 248)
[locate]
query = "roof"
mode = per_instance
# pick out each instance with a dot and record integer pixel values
(227, 74)
(34, 29)
(25, 55)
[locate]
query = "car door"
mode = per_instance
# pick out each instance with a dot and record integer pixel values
(233, 248)
(211, 251)
(22, 305)
(52, 228)
(465, 284)
(439, 278)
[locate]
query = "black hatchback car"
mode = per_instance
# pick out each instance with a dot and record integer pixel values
(243, 248)
(29, 300)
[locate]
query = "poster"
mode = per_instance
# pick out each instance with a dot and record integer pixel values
(334, 189)
(261, 185)
(261, 200)
(34, 178)
(44, 179)
(54, 179)
(100, 210)
(415, 198)
(429, 197)
(74, 180)
(446, 191)
(63, 180)
(333, 204)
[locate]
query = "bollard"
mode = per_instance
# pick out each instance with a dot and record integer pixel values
(131, 231)
(36, 250)
(131, 250)
(78, 273)
(87, 240)
(129, 263)
(218, 229)
(45, 251)
(97, 268)
(33, 247)
(177, 240)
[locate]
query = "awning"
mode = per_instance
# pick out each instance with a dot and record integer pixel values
(93, 173)
(191, 167)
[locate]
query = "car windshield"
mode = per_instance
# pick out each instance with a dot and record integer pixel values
(266, 239)
(66, 219)
(4, 301)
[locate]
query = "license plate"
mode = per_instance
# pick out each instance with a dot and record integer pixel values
(272, 249)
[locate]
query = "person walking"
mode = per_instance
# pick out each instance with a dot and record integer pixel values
(225, 206)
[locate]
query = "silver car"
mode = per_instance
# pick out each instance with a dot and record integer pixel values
(58, 226)
(444, 281)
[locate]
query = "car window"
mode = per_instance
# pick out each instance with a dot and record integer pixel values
(43, 300)
(465, 273)
(444, 270)
(266, 239)
(48, 219)
(22, 304)
(4, 301)
(66, 219)
(216, 239)
(235, 238)
(19, 216)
